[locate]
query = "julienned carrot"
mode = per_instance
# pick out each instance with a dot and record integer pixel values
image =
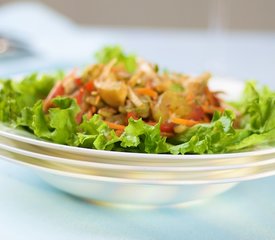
(119, 132)
(183, 121)
(147, 91)
(115, 125)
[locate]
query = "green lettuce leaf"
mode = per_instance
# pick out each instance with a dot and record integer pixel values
(214, 137)
(257, 117)
(62, 120)
(39, 123)
(144, 137)
(94, 133)
(9, 102)
(16, 95)
(258, 109)
(107, 54)
(58, 124)
(40, 87)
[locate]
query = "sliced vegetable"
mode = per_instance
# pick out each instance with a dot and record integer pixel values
(171, 103)
(112, 92)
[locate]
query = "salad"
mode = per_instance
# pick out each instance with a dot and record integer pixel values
(124, 103)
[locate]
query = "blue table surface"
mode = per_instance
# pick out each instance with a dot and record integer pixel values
(31, 209)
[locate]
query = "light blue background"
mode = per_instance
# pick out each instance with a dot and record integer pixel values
(30, 209)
